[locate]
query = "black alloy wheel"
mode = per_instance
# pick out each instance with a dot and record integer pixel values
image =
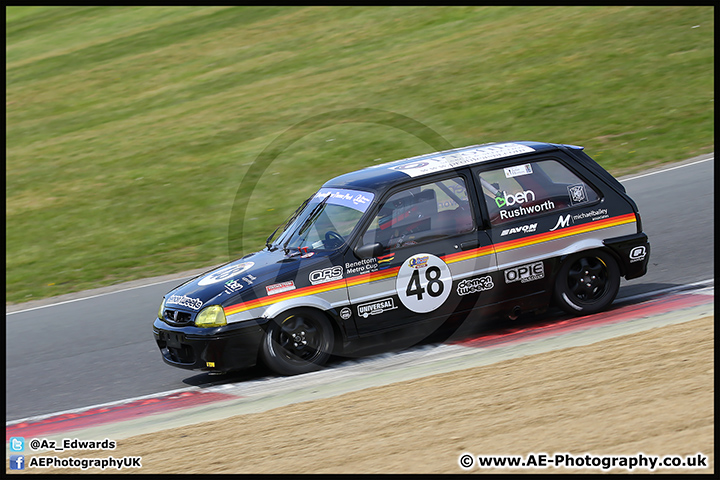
(297, 341)
(587, 282)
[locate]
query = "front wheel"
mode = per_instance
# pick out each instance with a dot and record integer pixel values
(587, 282)
(297, 341)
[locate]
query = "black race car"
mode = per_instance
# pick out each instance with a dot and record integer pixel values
(469, 233)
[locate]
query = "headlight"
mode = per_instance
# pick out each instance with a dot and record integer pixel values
(162, 309)
(213, 316)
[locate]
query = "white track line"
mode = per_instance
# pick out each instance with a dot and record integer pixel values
(677, 288)
(167, 281)
(668, 169)
(95, 296)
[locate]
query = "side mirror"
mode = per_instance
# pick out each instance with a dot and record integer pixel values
(369, 250)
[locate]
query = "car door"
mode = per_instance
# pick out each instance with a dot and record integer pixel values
(429, 244)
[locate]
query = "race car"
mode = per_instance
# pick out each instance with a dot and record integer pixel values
(402, 248)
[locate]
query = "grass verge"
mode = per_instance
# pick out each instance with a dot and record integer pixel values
(129, 129)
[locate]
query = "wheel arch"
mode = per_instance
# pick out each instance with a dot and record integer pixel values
(303, 302)
(589, 245)
(322, 307)
(580, 246)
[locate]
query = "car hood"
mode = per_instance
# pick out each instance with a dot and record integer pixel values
(248, 278)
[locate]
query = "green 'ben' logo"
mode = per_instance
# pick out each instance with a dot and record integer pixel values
(502, 198)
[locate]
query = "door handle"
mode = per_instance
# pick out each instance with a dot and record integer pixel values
(469, 245)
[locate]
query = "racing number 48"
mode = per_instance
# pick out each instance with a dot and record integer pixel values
(422, 274)
(435, 286)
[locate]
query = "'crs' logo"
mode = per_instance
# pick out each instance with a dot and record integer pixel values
(326, 275)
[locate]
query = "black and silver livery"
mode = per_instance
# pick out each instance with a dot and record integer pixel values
(403, 248)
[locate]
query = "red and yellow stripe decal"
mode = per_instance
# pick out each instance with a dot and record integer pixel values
(450, 258)
(468, 254)
(372, 276)
(566, 232)
(270, 299)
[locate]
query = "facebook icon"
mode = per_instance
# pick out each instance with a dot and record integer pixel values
(17, 462)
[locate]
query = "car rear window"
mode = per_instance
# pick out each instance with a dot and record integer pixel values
(524, 190)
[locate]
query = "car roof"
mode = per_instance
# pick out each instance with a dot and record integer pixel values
(378, 178)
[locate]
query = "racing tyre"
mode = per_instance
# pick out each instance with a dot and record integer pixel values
(297, 341)
(587, 282)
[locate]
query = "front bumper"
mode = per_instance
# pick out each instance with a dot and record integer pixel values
(220, 349)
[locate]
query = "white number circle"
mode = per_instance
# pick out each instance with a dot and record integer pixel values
(423, 283)
(226, 273)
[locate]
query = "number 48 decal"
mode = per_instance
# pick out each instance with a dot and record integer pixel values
(435, 287)
(423, 283)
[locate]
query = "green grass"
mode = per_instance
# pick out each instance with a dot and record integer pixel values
(130, 129)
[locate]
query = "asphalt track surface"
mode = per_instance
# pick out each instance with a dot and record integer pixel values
(69, 353)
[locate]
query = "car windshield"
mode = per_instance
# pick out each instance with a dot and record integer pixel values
(324, 221)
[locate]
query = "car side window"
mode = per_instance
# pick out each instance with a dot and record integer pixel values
(420, 214)
(528, 189)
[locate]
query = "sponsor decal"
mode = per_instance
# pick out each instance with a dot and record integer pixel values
(280, 287)
(525, 273)
(598, 214)
(425, 292)
(232, 286)
(185, 301)
(518, 170)
(637, 254)
(377, 307)
(385, 261)
(361, 199)
(475, 285)
(225, 273)
(307, 255)
(362, 266)
(562, 222)
(354, 199)
(345, 313)
(519, 212)
(326, 275)
(423, 283)
(460, 159)
(410, 166)
(418, 261)
(577, 193)
(524, 229)
(505, 200)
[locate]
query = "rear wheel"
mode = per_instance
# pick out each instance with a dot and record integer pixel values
(297, 341)
(587, 282)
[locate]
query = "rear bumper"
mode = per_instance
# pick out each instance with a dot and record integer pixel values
(221, 349)
(633, 252)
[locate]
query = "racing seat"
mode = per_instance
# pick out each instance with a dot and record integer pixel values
(426, 208)
(452, 222)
